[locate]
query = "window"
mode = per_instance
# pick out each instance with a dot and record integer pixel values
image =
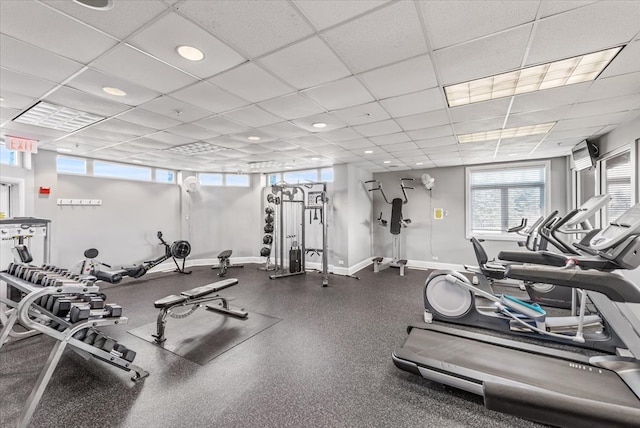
(67, 165)
(326, 175)
(498, 198)
(239, 180)
(118, 170)
(296, 177)
(207, 179)
(9, 157)
(274, 178)
(165, 176)
(617, 184)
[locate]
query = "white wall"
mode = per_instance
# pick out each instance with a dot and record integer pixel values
(360, 215)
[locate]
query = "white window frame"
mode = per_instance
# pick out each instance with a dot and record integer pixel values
(602, 175)
(117, 177)
(503, 236)
(86, 165)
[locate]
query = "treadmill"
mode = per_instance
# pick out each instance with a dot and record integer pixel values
(566, 386)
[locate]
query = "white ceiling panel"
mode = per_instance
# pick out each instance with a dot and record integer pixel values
(306, 64)
(19, 56)
(421, 120)
(627, 61)
(171, 107)
(400, 147)
(293, 106)
(130, 64)
(252, 116)
(475, 111)
(583, 122)
(548, 99)
(330, 121)
(548, 8)
(358, 115)
(22, 84)
(92, 82)
(7, 113)
(228, 142)
(209, 97)
(103, 134)
(433, 132)
(82, 101)
(31, 131)
(221, 125)
(587, 29)
(162, 38)
(418, 102)
(342, 134)
(378, 128)
(255, 27)
(283, 130)
(609, 105)
(169, 138)
(16, 101)
(484, 57)
(444, 148)
(359, 143)
(244, 136)
(255, 149)
(452, 22)
(251, 82)
(41, 26)
(148, 144)
(534, 117)
(192, 131)
(616, 86)
(122, 127)
(573, 133)
(308, 141)
(340, 94)
(401, 78)
(331, 12)
(397, 138)
(119, 21)
(388, 35)
(146, 118)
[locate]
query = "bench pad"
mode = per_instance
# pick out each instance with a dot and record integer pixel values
(168, 301)
(225, 254)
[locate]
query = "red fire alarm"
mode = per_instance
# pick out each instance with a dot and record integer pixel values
(45, 190)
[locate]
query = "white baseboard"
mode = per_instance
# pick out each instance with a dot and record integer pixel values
(425, 265)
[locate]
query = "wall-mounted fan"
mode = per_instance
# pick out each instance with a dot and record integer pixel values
(191, 184)
(428, 181)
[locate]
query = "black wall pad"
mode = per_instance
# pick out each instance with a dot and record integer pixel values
(205, 334)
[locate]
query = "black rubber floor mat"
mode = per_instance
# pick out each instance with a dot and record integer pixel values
(204, 335)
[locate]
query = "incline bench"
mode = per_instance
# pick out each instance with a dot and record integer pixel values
(195, 298)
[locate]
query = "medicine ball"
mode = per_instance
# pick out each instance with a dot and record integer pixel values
(265, 252)
(268, 228)
(267, 239)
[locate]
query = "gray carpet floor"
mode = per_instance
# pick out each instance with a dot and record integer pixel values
(326, 364)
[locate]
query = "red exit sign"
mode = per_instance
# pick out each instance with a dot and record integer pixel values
(22, 144)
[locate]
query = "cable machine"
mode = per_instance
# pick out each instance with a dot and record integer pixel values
(292, 202)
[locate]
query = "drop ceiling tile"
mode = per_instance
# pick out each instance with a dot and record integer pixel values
(192, 132)
(283, 130)
(482, 110)
(31, 131)
(534, 117)
(418, 102)
(327, 149)
(279, 145)
(102, 134)
(453, 161)
(255, 149)
(387, 35)
(443, 156)
(265, 26)
(484, 57)
(378, 128)
(227, 142)
(411, 154)
(400, 147)
(573, 133)
(169, 138)
(122, 127)
(549, 8)
(588, 29)
(432, 132)
(119, 21)
(616, 86)
(358, 115)
(87, 141)
(16, 101)
(244, 136)
(341, 134)
(609, 105)
(452, 22)
(179, 110)
(293, 106)
(627, 61)
(402, 78)
(547, 99)
(308, 141)
(8, 113)
(92, 82)
(359, 143)
(146, 118)
(435, 150)
(130, 64)
(396, 138)
(21, 57)
(221, 125)
(38, 25)
(21, 84)
(478, 125)
(340, 94)
(252, 116)
(417, 121)
(78, 100)
(331, 12)
(251, 82)
(209, 97)
(148, 144)
(590, 121)
(162, 38)
(307, 123)
(306, 64)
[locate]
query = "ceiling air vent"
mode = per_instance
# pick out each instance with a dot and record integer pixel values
(61, 118)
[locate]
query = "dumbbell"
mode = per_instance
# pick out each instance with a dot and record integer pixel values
(124, 352)
(104, 342)
(83, 312)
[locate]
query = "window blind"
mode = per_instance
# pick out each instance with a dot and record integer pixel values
(618, 185)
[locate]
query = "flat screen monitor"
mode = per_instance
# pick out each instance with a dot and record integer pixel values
(584, 155)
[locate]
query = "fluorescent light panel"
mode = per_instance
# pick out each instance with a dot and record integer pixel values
(61, 118)
(521, 131)
(192, 149)
(578, 69)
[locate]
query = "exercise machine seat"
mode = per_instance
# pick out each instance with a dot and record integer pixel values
(225, 254)
(169, 301)
(112, 277)
(134, 271)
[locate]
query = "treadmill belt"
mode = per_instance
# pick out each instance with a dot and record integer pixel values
(472, 359)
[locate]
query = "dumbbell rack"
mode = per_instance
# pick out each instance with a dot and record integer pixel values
(35, 318)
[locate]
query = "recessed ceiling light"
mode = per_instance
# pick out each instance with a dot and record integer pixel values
(114, 91)
(136, 161)
(96, 4)
(512, 154)
(319, 125)
(418, 163)
(368, 152)
(522, 131)
(1, 99)
(315, 159)
(578, 69)
(63, 150)
(386, 162)
(288, 167)
(190, 53)
(253, 138)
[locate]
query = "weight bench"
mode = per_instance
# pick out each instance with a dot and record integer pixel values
(224, 263)
(195, 298)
